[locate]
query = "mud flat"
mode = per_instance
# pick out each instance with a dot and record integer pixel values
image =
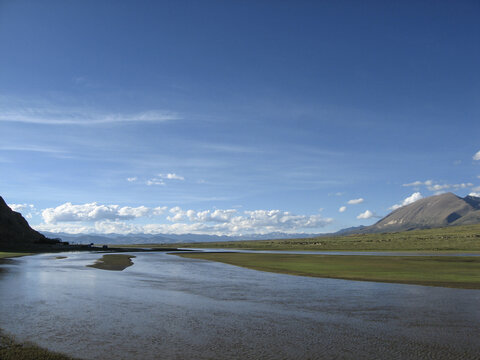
(113, 262)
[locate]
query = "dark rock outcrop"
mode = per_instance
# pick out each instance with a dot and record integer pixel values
(15, 231)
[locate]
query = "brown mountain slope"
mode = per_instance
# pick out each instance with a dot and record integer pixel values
(434, 211)
(14, 229)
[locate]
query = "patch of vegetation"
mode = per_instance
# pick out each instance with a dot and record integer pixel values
(13, 350)
(447, 271)
(115, 262)
(12, 254)
(453, 238)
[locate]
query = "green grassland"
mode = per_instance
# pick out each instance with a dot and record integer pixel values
(12, 254)
(113, 262)
(447, 271)
(453, 238)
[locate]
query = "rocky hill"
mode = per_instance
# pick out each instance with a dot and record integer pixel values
(15, 231)
(435, 211)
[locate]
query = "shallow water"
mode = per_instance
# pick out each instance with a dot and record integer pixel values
(168, 307)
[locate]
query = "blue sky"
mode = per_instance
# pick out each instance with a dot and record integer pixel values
(235, 117)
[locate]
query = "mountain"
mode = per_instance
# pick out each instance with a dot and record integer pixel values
(15, 231)
(435, 211)
(348, 231)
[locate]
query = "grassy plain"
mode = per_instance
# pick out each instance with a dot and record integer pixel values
(115, 262)
(12, 254)
(448, 239)
(447, 271)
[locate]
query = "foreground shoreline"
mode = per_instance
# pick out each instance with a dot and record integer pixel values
(11, 349)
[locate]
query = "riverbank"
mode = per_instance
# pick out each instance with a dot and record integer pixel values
(445, 271)
(10, 349)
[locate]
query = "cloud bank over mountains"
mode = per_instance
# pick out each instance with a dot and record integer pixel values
(99, 218)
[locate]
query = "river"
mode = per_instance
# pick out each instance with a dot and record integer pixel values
(168, 307)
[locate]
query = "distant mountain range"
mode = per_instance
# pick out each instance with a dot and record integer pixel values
(165, 238)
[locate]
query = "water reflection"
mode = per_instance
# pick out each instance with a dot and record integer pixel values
(169, 307)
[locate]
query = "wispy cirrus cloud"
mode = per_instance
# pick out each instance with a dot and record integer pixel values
(230, 148)
(32, 148)
(155, 181)
(441, 187)
(171, 176)
(56, 115)
(437, 187)
(419, 183)
(160, 179)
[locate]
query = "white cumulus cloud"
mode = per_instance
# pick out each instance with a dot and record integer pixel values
(27, 210)
(21, 207)
(409, 200)
(342, 209)
(476, 194)
(69, 212)
(355, 201)
(477, 155)
(367, 214)
(132, 179)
